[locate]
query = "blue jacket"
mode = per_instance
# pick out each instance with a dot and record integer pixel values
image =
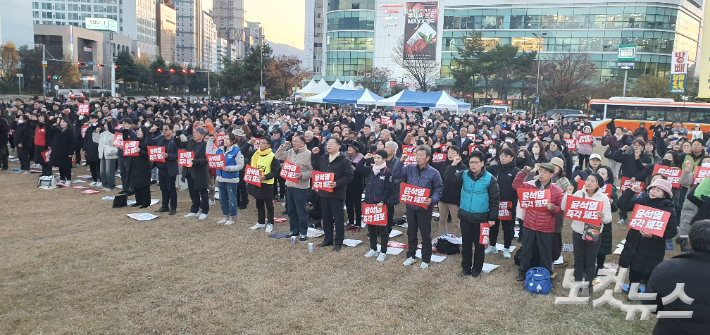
(378, 188)
(479, 194)
(429, 178)
(230, 159)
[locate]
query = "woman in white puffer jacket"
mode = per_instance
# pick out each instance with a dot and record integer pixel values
(108, 154)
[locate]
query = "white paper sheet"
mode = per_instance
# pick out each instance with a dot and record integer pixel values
(391, 251)
(351, 242)
(434, 258)
(108, 198)
(500, 247)
(451, 238)
(142, 216)
(77, 181)
(152, 202)
(312, 232)
(618, 251)
(395, 233)
(487, 268)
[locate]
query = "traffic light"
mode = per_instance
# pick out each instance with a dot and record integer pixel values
(115, 66)
(160, 70)
(172, 70)
(184, 71)
(192, 71)
(48, 80)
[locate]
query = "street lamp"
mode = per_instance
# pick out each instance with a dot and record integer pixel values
(539, 49)
(261, 64)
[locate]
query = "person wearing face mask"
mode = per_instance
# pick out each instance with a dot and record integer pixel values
(538, 153)
(524, 159)
(297, 193)
(505, 173)
(632, 166)
(379, 186)
(23, 141)
(643, 251)
(554, 149)
(91, 150)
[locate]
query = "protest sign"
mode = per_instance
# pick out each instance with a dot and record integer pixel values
(373, 215)
(584, 210)
(185, 158)
(413, 195)
(289, 171)
(320, 179)
(648, 219)
(534, 199)
(251, 175)
(155, 154)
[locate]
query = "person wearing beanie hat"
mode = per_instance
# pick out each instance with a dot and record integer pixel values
(585, 145)
(378, 189)
(642, 250)
(585, 251)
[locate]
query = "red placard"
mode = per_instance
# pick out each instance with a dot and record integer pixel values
(648, 219)
(571, 144)
(584, 139)
(470, 148)
(488, 142)
(534, 199)
(130, 148)
(319, 180)
(627, 183)
(505, 210)
(185, 158)
(484, 235)
(443, 148)
(118, 140)
(606, 189)
(413, 195)
(83, 130)
(45, 155)
(218, 140)
(215, 161)
(289, 171)
(155, 154)
(83, 109)
(672, 173)
(438, 157)
(251, 175)
(471, 137)
(408, 150)
(410, 160)
(700, 174)
(373, 215)
(386, 121)
(585, 210)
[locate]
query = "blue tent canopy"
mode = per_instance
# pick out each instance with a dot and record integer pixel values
(339, 96)
(439, 99)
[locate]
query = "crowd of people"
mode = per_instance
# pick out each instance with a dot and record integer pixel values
(467, 164)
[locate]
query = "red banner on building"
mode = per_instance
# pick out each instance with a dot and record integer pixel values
(420, 29)
(648, 219)
(672, 173)
(585, 210)
(289, 171)
(251, 175)
(413, 195)
(534, 199)
(185, 158)
(319, 180)
(373, 215)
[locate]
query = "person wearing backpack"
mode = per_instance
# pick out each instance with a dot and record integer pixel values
(379, 185)
(478, 204)
(585, 251)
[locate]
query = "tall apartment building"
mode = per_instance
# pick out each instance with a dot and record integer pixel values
(254, 33)
(313, 42)
(228, 15)
(139, 23)
(209, 43)
(167, 32)
(191, 33)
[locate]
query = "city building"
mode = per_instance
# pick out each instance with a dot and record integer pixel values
(138, 18)
(228, 15)
(361, 33)
(16, 23)
(191, 31)
(92, 49)
(223, 47)
(209, 43)
(255, 33)
(167, 32)
(313, 42)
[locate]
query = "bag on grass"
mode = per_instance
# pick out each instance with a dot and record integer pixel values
(445, 247)
(47, 182)
(120, 201)
(538, 281)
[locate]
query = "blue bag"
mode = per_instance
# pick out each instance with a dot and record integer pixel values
(538, 281)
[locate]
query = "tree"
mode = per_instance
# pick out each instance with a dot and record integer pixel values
(232, 79)
(399, 87)
(127, 69)
(466, 67)
(9, 62)
(256, 62)
(376, 80)
(416, 66)
(159, 78)
(648, 86)
(508, 66)
(284, 72)
(31, 67)
(564, 75)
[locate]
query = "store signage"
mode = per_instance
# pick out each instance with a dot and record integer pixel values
(101, 24)
(627, 53)
(679, 62)
(387, 11)
(391, 5)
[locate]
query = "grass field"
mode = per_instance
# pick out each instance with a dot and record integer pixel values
(73, 265)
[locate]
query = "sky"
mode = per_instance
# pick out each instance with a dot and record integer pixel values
(283, 20)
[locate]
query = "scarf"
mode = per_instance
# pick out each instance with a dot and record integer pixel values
(377, 168)
(258, 154)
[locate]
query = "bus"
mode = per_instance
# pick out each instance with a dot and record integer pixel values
(630, 112)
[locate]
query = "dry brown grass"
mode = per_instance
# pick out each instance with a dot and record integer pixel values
(73, 265)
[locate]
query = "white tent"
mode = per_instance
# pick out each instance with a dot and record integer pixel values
(306, 88)
(337, 84)
(351, 84)
(343, 96)
(321, 87)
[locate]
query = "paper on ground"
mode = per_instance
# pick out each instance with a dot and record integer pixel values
(501, 247)
(434, 258)
(395, 233)
(108, 198)
(487, 268)
(152, 202)
(618, 251)
(312, 232)
(142, 216)
(86, 176)
(351, 242)
(451, 238)
(391, 251)
(568, 247)
(77, 181)
(610, 265)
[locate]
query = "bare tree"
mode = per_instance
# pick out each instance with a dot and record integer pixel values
(284, 72)
(376, 79)
(419, 69)
(565, 75)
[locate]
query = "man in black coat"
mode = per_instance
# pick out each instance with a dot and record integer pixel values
(124, 163)
(167, 170)
(505, 173)
(332, 202)
(4, 134)
(693, 270)
(197, 176)
(91, 149)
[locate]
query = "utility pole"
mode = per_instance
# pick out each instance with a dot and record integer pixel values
(113, 69)
(44, 68)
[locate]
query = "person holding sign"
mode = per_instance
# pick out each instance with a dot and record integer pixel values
(585, 251)
(606, 238)
(197, 175)
(695, 158)
(263, 159)
(479, 204)
(297, 193)
(332, 202)
(167, 168)
(419, 219)
(504, 172)
(632, 165)
(228, 177)
(108, 153)
(41, 142)
(643, 250)
(538, 224)
(124, 162)
(379, 186)
(139, 174)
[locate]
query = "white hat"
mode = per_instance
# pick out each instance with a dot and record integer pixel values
(595, 156)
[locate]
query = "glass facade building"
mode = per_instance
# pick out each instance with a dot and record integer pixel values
(596, 29)
(350, 36)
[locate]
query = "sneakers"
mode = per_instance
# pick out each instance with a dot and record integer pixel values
(506, 253)
(202, 216)
(371, 253)
(257, 226)
(99, 184)
(223, 220)
(584, 292)
(491, 250)
(303, 238)
(410, 261)
(228, 222)
(465, 273)
(212, 202)
(269, 227)
(68, 183)
(189, 215)
(92, 184)
(381, 257)
(424, 265)
(621, 222)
